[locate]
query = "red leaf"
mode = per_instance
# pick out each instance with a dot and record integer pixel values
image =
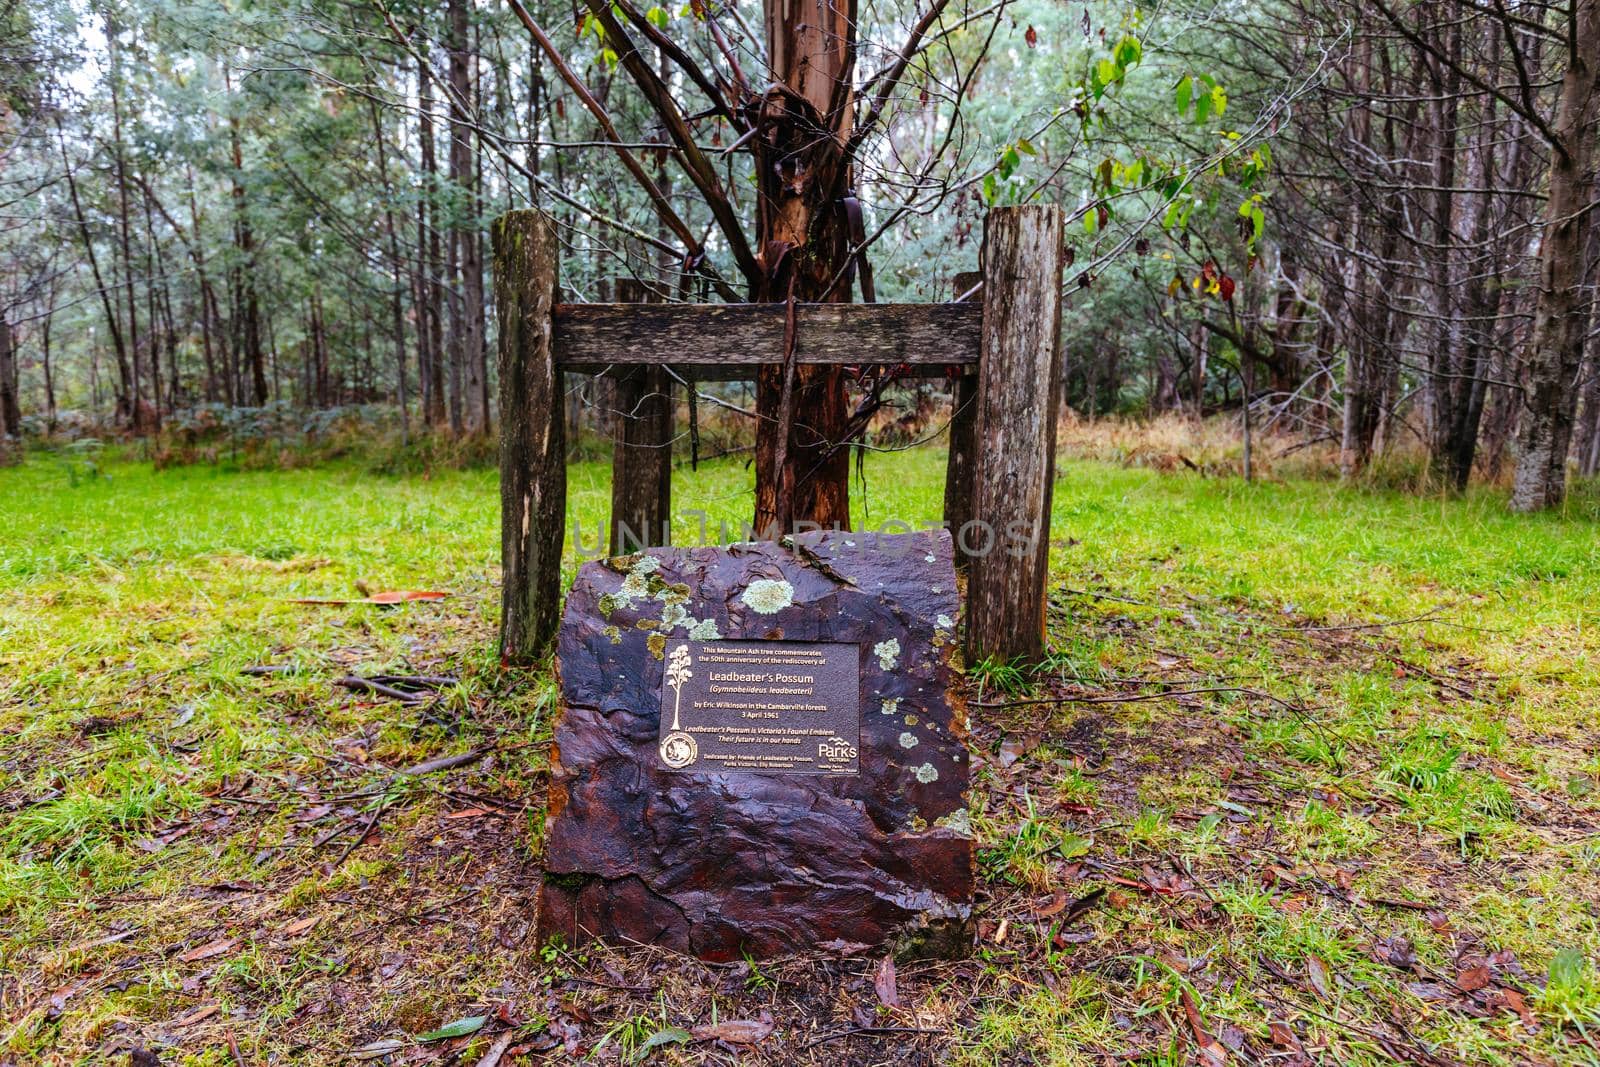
(211, 948)
(884, 982)
(1211, 1051)
(1284, 1037)
(1032, 37)
(1225, 284)
(1473, 978)
(1317, 971)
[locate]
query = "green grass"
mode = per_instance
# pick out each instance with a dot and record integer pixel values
(1396, 706)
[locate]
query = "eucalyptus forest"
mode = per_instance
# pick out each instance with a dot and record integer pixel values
(1358, 223)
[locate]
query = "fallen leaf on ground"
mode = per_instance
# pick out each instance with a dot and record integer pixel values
(883, 981)
(378, 1048)
(1284, 1037)
(735, 1031)
(1055, 905)
(670, 1036)
(491, 1058)
(1211, 1050)
(209, 949)
(1510, 998)
(204, 1012)
(1317, 971)
(301, 926)
(1473, 978)
(471, 1024)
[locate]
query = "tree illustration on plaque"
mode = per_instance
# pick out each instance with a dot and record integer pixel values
(678, 672)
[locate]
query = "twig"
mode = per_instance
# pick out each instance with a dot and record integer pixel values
(233, 1047)
(416, 681)
(856, 1031)
(376, 688)
(355, 842)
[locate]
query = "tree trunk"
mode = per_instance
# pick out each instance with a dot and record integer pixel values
(465, 270)
(44, 359)
(1445, 386)
(124, 394)
(10, 408)
(803, 242)
(430, 321)
(397, 315)
(1555, 349)
(246, 303)
(135, 398)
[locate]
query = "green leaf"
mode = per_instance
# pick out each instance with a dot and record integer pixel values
(989, 184)
(458, 1028)
(1183, 95)
(1091, 221)
(1025, 146)
(1202, 108)
(1074, 845)
(1566, 969)
(1128, 52)
(1008, 163)
(670, 1036)
(658, 17)
(1219, 100)
(1105, 72)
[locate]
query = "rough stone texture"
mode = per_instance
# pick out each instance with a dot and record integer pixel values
(720, 864)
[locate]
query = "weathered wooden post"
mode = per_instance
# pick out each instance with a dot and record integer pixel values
(1008, 535)
(533, 471)
(963, 436)
(641, 465)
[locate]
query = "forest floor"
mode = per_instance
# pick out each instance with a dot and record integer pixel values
(1317, 780)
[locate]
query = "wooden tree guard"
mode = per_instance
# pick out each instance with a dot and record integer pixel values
(1002, 429)
(1022, 261)
(533, 450)
(963, 439)
(641, 465)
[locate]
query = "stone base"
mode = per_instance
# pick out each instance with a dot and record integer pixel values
(722, 864)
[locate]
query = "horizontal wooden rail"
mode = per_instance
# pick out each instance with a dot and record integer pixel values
(732, 340)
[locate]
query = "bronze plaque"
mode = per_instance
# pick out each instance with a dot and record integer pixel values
(773, 707)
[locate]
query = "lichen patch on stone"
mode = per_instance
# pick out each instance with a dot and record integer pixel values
(891, 706)
(888, 653)
(927, 773)
(768, 596)
(908, 740)
(704, 630)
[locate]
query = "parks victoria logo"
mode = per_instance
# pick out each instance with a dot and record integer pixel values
(836, 748)
(678, 748)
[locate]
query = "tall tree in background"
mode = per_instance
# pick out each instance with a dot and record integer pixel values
(804, 174)
(1561, 315)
